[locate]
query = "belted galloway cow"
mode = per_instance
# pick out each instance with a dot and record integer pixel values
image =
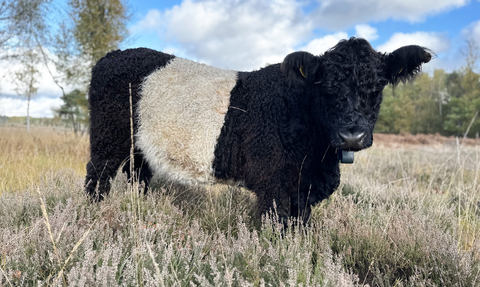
(277, 131)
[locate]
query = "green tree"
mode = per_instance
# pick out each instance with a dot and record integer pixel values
(93, 28)
(428, 95)
(464, 87)
(417, 107)
(471, 103)
(100, 26)
(453, 82)
(397, 111)
(74, 109)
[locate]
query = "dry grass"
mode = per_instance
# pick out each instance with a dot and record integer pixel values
(26, 158)
(411, 212)
(403, 216)
(406, 139)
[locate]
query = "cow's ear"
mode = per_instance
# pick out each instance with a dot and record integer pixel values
(405, 62)
(301, 67)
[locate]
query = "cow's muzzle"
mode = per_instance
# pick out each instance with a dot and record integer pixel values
(352, 141)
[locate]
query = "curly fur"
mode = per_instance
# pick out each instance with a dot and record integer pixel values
(281, 132)
(180, 115)
(110, 115)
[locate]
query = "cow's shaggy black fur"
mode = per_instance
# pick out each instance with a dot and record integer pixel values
(282, 136)
(109, 103)
(284, 126)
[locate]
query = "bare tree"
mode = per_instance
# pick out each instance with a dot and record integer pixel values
(26, 79)
(21, 21)
(472, 54)
(24, 30)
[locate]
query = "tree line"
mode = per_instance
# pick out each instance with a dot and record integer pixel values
(444, 103)
(66, 37)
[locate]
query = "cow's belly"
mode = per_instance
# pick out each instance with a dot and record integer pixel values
(181, 112)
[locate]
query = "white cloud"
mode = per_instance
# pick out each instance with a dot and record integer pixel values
(366, 31)
(436, 42)
(39, 107)
(151, 22)
(340, 14)
(240, 35)
(320, 45)
(472, 32)
(246, 35)
(45, 84)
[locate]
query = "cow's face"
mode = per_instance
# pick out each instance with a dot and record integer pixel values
(346, 84)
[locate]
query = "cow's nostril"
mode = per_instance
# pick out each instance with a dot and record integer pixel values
(352, 140)
(350, 136)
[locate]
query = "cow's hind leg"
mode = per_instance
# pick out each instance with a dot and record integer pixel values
(142, 171)
(103, 166)
(99, 172)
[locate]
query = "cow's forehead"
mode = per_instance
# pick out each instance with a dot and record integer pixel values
(354, 57)
(353, 52)
(353, 64)
(347, 73)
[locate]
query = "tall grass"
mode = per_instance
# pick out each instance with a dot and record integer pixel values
(404, 216)
(26, 158)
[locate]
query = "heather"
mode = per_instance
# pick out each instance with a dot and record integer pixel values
(405, 214)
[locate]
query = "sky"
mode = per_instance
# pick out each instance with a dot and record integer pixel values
(246, 35)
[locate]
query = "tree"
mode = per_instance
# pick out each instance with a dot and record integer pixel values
(428, 96)
(74, 109)
(91, 29)
(464, 87)
(24, 29)
(472, 54)
(26, 79)
(471, 102)
(95, 28)
(24, 25)
(4, 17)
(100, 26)
(397, 111)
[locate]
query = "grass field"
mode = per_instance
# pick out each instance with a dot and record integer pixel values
(406, 214)
(27, 158)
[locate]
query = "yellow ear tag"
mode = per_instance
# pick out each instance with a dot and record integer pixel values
(301, 71)
(400, 70)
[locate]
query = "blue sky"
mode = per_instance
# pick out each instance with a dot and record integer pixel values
(248, 34)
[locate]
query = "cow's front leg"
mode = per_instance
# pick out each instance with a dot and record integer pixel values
(316, 184)
(300, 206)
(275, 202)
(274, 192)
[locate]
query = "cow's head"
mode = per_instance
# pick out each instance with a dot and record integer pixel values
(346, 84)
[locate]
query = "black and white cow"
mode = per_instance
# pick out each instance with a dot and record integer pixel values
(275, 131)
